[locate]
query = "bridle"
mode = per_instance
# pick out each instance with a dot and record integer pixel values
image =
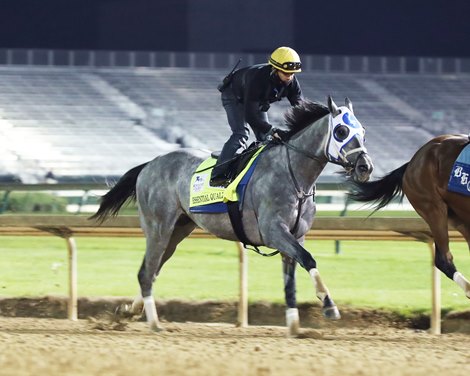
(343, 155)
(301, 195)
(341, 161)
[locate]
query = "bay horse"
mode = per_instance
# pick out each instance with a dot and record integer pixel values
(424, 181)
(278, 208)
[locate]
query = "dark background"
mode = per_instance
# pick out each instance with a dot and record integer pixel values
(342, 27)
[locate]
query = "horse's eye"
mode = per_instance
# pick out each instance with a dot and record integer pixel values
(341, 132)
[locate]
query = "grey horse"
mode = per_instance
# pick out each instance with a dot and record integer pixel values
(278, 208)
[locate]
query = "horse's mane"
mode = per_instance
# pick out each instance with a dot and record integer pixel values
(302, 115)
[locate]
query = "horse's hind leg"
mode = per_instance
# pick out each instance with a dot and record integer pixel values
(182, 229)
(161, 244)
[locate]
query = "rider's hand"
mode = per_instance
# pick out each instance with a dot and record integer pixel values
(276, 134)
(273, 134)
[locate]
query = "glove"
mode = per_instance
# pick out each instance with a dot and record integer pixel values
(276, 134)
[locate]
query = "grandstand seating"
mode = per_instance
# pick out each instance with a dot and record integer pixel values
(59, 120)
(92, 123)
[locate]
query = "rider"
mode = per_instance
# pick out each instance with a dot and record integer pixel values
(246, 97)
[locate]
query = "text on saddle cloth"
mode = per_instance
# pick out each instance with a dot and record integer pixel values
(202, 195)
(459, 180)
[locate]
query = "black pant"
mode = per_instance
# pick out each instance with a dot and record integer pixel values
(237, 142)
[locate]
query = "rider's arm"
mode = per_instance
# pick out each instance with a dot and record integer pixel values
(255, 117)
(294, 93)
(255, 90)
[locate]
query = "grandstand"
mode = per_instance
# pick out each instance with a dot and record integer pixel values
(89, 123)
(71, 123)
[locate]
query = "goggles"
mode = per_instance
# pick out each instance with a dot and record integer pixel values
(287, 66)
(291, 66)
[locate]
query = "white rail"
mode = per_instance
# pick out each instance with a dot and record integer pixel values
(328, 228)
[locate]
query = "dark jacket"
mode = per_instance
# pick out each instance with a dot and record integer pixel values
(256, 87)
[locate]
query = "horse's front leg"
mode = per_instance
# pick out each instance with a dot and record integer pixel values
(292, 313)
(443, 260)
(330, 311)
(283, 240)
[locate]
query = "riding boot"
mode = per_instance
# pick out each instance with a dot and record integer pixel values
(220, 175)
(221, 180)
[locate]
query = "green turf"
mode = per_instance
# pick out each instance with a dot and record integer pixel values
(394, 275)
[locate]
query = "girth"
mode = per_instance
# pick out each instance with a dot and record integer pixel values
(235, 213)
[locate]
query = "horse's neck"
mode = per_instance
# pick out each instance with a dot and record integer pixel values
(312, 140)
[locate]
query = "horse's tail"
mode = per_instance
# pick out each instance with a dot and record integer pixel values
(379, 192)
(123, 191)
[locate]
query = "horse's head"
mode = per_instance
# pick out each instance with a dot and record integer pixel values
(346, 142)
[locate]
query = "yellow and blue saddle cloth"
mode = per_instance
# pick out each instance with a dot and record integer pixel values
(206, 199)
(459, 180)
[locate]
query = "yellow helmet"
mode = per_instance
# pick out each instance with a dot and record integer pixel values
(286, 60)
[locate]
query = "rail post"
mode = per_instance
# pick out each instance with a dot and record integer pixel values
(435, 327)
(242, 320)
(4, 204)
(72, 303)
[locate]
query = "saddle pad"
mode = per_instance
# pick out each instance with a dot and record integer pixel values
(206, 199)
(459, 181)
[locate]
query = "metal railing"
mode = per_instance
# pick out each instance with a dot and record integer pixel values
(325, 228)
(225, 61)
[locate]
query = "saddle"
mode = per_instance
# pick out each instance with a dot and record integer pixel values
(205, 198)
(239, 161)
(203, 195)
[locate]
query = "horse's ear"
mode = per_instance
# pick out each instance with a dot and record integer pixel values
(348, 103)
(332, 106)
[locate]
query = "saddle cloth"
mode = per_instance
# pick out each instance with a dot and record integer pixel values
(204, 198)
(459, 180)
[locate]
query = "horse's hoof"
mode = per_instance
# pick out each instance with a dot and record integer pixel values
(331, 313)
(123, 311)
(293, 322)
(137, 307)
(155, 327)
(293, 331)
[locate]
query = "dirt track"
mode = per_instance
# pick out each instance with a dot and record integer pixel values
(32, 346)
(35, 339)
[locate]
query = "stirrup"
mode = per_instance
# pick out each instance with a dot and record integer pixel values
(219, 181)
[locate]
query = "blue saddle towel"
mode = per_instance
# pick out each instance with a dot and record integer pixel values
(459, 180)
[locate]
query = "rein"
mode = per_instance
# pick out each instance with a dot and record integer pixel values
(301, 195)
(295, 148)
(328, 157)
